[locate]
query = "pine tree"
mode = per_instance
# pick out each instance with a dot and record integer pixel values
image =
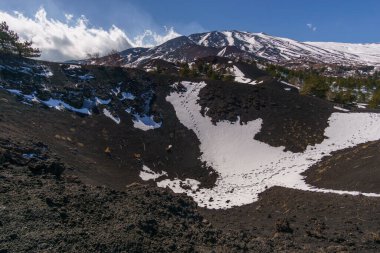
(193, 71)
(184, 70)
(10, 43)
(6, 38)
(375, 100)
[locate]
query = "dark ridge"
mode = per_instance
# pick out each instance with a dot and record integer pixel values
(289, 119)
(352, 169)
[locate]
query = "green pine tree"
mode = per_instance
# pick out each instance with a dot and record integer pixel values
(10, 43)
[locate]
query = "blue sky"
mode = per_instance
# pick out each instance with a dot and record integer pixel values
(71, 29)
(334, 20)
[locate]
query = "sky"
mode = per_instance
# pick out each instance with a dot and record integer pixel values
(70, 29)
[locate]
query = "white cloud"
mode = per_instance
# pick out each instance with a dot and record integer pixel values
(150, 38)
(68, 17)
(60, 41)
(311, 27)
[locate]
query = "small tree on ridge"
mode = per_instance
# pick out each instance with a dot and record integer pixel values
(10, 43)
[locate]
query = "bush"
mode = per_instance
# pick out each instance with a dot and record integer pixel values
(228, 78)
(314, 85)
(184, 70)
(375, 100)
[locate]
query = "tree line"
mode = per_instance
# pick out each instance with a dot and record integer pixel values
(343, 90)
(204, 69)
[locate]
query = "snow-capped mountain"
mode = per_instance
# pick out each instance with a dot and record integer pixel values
(179, 49)
(366, 53)
(282, 50)
(253, 46)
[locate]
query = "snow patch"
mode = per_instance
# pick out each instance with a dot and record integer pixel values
(222, 52)
(15, 92)
(147, 174)
(100, 101)
(180, 186)
(145, 122)
(60, 105)
(361, 105)
(247, 167)
(230, 39)
(74, 67)
(29, 155)
(86, 77)
(30, 98)
(289, 84)
(116, 91)
(46, 72)
(108, 114)
(341, 109)
(128, 96)
(204, 40)
(240, 77)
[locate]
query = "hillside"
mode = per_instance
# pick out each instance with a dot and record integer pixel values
(234, 139)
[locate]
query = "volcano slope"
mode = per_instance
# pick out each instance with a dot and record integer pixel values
(114, 127)
(247, 166)
(124, 105)
(43, 210)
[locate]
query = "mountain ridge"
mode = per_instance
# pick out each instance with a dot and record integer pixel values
(259, 47)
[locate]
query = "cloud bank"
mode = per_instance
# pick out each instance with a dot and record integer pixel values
(75, 38)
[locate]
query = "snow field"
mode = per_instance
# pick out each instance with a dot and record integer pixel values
(247, 167)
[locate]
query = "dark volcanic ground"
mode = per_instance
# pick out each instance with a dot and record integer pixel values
(289, 120)
(100, 204)
(42, 210)
(82, 140)
(317, 222)
(352, 169)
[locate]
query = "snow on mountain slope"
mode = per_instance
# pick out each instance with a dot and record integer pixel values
(253, 46)
(178, 49)
(369, 53)
(132, 54)
(279, 49)
(246, 166)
